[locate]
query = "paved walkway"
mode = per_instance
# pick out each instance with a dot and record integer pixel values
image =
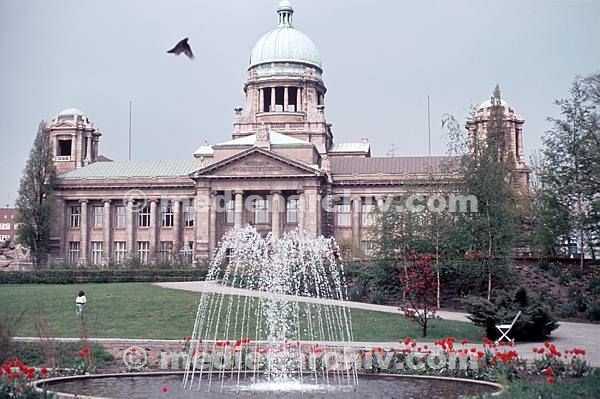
(567, 336)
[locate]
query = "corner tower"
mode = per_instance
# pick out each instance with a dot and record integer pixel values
(74, 140)
(513, 136)
(284, 88)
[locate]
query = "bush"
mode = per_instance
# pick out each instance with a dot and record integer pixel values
(594, 311)
(543, 265)
(377, 298)
(535, 323)
(568, 310)
(594, 286)
(578, 299)
(79, 276)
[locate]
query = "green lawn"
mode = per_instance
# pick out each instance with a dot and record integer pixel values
(140, 310)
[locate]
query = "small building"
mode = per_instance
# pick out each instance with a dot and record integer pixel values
(8, 224)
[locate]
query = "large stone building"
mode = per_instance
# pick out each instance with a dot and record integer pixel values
(281, 170)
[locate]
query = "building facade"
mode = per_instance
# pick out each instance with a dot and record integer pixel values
(8, 224)
(281, 170)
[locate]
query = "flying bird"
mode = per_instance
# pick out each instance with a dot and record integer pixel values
(182, 47)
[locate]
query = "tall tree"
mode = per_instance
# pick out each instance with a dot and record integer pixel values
(486, 163)
(571, 173)
(34, 203)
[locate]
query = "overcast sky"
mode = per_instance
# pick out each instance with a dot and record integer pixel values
(381, 59)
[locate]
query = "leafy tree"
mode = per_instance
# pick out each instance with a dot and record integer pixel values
(419, 284)
(571, 172)
(34, 203)
(486, 163)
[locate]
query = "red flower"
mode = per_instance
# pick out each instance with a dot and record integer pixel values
(164, 389)
(464, 341)
(425, 347)
(551, 380)
(85, 350)
(133, 350)
(480, 354)
(473, 350)
(548, 371)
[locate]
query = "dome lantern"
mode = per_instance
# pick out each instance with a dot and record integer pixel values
(285, 11)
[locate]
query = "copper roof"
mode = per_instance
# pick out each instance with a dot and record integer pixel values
(391, 165)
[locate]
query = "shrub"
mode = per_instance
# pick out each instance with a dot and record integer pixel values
(72, 276)
(568, 310)
(594, 311)
(578, 299)
(358, 290)
(536, 321)
(543, 265)
(594, 286)
(377, 298)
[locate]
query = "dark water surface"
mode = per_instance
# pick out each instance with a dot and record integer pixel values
(143, 387)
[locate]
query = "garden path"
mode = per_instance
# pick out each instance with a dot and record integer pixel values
(568, 335)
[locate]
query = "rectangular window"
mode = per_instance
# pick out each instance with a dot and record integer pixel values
(292, 211)
(144, 217)
(74, 216)
(143, 251)
(366, 247)
(120, 216)
(343, 212)
(120, 251)
(96, 252)
(261, 211)
(189, 213)
(74, 252)
(167, 215)
(367, 215)
(230, 212)
(98, 216)
(4, 226)
(166, 251)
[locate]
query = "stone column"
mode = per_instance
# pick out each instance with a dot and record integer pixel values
(239, 209)
(107, 227)
(261, 100)
(130, 227)
(286, 99)
(83, 245)
(153, 231)
(272, 99)
(356, 204)
(212, 228)
(299, 99)
(176, 227)
(310, 218)
(88, 149)
(301, 207)
(276, 200)
(202, 222)
(380, 202)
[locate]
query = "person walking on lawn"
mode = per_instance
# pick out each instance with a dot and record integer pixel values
(80, 302)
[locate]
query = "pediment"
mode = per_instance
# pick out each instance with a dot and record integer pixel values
(63, 124)
(256, 162)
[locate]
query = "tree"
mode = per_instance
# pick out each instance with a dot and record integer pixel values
(34, 203)
(572, 167)
(486, 163)
(420, 284)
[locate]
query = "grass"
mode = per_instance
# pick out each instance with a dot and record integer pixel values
(140, 310)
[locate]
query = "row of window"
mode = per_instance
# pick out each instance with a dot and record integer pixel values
(165, 251)
(262, 208)
(143, 219)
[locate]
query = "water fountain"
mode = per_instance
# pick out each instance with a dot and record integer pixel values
(269, 331)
